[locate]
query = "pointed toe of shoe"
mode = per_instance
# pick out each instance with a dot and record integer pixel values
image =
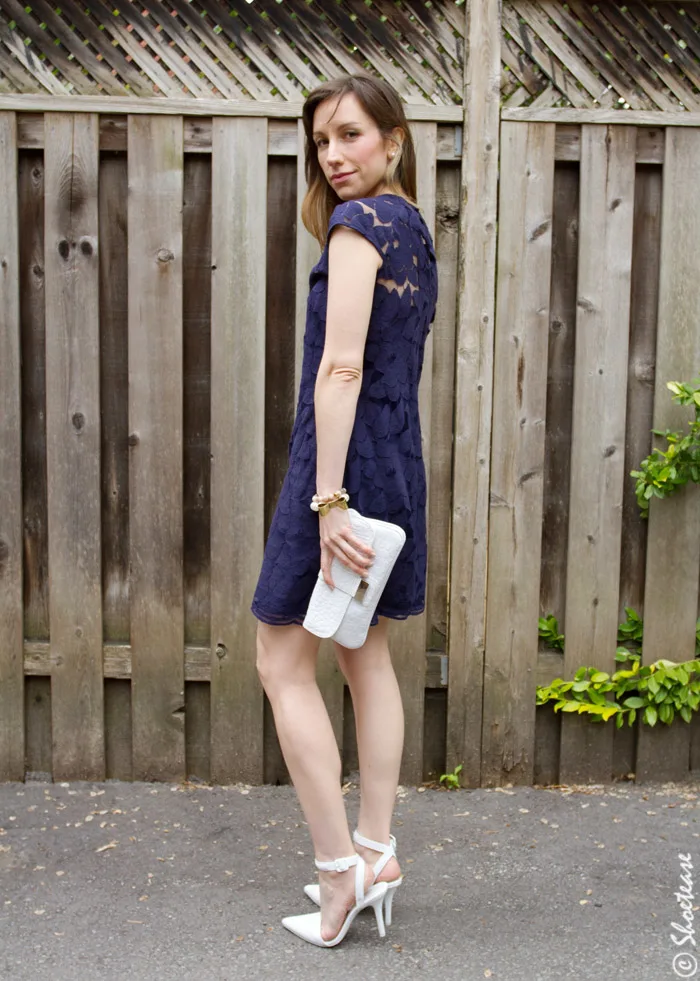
(307, 926)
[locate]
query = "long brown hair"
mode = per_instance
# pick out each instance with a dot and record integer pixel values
(382, 103)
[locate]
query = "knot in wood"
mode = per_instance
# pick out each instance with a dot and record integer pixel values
(133, 439)
(64, 248)
(87, 245)
(165, 255)
(78, 420)
(221, 651)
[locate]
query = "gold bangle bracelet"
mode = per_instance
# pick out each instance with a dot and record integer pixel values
(340, 502)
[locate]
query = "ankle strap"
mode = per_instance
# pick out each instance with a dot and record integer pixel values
(377, 846)
(338, 864)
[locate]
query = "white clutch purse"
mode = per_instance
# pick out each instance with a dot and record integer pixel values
(344, 613)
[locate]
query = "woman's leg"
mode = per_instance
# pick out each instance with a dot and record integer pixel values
(379, 724)
(286, 664)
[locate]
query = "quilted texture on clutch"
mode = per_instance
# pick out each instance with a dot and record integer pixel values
(344, 613)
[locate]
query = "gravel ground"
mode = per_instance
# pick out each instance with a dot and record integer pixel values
(145, 881)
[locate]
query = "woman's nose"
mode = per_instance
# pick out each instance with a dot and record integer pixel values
(334, 152)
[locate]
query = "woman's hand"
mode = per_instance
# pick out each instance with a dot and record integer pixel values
(337, 539)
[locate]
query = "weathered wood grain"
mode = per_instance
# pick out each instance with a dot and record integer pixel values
(560, 391)
(282, 138)
(473, 395)
(196, 326)
(598, 431)
(33, 336)
(73, 445)
(640, 378)
(440, 462)
(407, 639)
(546, 61)
(518, 443)
(539, 21)
(114, 399)
(176, 106)
(11, 612)
(155, 158)
(607, 117)
(673, 544)
(239, 228)
(597, 26)
(589, 45)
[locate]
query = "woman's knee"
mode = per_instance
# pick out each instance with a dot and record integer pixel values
(284, 655)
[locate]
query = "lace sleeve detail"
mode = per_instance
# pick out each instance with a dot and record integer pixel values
(361, 216)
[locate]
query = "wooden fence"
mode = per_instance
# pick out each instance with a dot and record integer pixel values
(152, 295)
(152, 265)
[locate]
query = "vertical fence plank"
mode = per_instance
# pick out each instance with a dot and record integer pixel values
(11, 625)
(598, 439)
(196, 233)
(114, 398)
(155, 158)
(239, 228)
(473, 397)
(640, 377)
(407, 639)
(73, 444)
(517, 469)
(440, 462)
(673, 552)
(560, 387)
(280, 346)
(33, 340)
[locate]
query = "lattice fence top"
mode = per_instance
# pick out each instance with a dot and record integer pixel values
(634, 55)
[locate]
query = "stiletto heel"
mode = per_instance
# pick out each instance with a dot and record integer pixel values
(313, 890)
(308, 925)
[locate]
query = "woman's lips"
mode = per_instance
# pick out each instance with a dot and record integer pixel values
(339, 178)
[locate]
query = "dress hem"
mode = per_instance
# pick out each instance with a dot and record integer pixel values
(299, 618)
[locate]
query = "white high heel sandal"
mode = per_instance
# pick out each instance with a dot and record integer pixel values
(313, 890)
(308, 925)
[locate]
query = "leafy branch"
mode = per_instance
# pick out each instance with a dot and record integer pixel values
(658, 691)
(663, 472)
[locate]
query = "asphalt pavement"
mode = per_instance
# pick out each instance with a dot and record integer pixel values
(148, 882)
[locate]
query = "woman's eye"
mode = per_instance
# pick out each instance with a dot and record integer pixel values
(351, 132)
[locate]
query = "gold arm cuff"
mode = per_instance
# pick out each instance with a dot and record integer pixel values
(323, 509)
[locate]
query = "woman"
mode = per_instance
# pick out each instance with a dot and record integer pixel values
(371, 302)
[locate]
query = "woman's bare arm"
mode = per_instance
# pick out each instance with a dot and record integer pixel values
(353, 263)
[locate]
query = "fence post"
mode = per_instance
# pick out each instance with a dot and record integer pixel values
(11, 613)
(473, 386)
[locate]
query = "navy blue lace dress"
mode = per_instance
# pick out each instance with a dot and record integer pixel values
(385, 473)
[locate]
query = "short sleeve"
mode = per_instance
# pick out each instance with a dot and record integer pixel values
(362, 216)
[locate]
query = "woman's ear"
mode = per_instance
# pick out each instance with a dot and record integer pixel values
(397, 134)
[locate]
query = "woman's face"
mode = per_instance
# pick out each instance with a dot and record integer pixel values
(352, 153)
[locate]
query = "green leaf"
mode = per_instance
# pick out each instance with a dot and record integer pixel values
(650, 715)
(634, 702)
(598, 676)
